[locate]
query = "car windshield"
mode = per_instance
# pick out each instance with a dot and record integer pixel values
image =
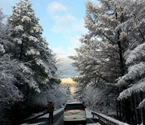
(74, 106)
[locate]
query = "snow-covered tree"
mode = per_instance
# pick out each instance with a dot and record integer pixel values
(116, 34)
(134, 79)
(5, 44)
(134, 16)
(26, 30)
(100, 59)
(30, 46)
(27, 65)
(132, 12)
(98, 99)
(58, 94)
(12, 74)
(102, 21)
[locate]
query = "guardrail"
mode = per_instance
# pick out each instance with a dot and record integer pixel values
(40, 114)
(106, 120)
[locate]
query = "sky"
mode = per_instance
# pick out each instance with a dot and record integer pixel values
(63, 24)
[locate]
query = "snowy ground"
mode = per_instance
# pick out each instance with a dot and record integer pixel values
(88, 113)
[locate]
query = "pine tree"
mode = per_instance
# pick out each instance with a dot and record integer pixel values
(100, 58)
(133, 26)
(27, 65)
(31, 48)
(6, 45)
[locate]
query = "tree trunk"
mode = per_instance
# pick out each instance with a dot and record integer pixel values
(134, 119)
(143, 110)
(138, 110)
(120, 55)
(117, 112)
(143, 117)
(127, 111)
(119, 107)
(21, 51)
(122, 66)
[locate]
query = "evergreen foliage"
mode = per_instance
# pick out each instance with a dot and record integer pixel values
(28, 76)
(113, 51)
(31, 48)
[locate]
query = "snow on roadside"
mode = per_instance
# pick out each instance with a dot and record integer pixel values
(34, 115)
(93, 124)
(44, 116)
(113, 120)
(33, 124)
(55, 112)
(88, 115)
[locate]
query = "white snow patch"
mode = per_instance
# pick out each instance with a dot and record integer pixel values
(34, 123)
(88, 115)
(113, 120)
(44, 116)
(55, 112)
(93, 124)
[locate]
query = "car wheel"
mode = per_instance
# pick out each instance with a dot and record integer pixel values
(84, 123)
(64, 123)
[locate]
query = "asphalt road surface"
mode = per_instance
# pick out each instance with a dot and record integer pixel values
(58, 120)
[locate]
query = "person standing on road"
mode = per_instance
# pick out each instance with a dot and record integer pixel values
(50, 110)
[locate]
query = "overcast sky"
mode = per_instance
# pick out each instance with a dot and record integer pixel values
(63, 25)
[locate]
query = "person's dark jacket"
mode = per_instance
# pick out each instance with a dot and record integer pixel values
(50, 107)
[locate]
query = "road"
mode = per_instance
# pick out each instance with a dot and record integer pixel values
(58, 120)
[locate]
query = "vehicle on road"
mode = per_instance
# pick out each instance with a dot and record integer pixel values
(74, 112)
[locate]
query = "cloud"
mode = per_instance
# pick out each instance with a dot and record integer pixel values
(65, 63)
(71, 28)
(64, 20)
(56, 7)
(62, 56)
(63, 23)
(75, 44)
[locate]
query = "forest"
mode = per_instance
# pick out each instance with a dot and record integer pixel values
(111, 59)
(29, 76)
(110, 63)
